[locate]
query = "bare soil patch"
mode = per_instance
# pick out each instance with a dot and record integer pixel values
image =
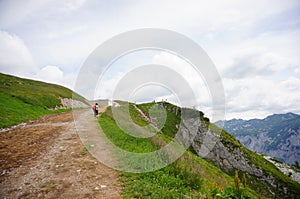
(46, 159)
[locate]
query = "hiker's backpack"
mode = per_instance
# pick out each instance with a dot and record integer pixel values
(94, 107)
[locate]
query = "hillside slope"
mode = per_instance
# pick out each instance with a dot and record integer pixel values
(23, 99)
(210, 172)
(188, 177)
(276, 135)
(230, 155)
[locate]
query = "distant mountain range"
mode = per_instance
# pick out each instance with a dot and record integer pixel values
(277, 135)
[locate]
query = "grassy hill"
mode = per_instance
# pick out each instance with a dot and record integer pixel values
(23, 99)
(192, 176)
(188, 177)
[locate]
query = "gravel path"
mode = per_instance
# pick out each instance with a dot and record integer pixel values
(46, 159)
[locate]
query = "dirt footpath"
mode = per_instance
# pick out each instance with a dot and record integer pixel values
(46, 159)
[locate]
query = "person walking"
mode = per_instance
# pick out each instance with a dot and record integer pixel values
(96, 109)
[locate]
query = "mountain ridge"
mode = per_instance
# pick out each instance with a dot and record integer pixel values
(276, 135)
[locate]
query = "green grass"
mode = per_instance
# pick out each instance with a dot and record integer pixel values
(169, 128)
(22, 99)
(164, 183)
(188, 177)
(123, 140)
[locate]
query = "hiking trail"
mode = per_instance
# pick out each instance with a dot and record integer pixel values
(45, 158)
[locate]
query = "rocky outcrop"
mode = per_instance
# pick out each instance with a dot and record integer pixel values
(285, 168)
(67, 103)
(229, 154)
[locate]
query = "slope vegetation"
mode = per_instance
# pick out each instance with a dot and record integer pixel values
(23, 99)
(230, 155)
(188, 177)
(193, 176)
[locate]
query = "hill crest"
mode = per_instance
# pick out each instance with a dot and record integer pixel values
(24, 99)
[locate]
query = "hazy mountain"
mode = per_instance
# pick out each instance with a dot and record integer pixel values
(277, 135)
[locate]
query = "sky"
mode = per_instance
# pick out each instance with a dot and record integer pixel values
(253, 44)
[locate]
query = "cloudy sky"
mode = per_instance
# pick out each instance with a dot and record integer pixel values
(255, 45)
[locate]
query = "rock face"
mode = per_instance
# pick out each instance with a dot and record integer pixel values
(277, 135)
(71, 103)
(229, 154)
(221, 148)
(229, 157)
(285, 168)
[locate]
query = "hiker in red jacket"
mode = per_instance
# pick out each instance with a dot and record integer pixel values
(96, 108)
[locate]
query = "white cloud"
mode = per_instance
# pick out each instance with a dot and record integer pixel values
(52, 74)
(203, 15)
(188, 73)
(259, 55)
(154, 91)
(74, 4)
(292, 84)
(251, 95)
(255, 43)
(106, 87)
(15, 58)
(257, 63)
(180, 67)
(72, 29)
(14, 12)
